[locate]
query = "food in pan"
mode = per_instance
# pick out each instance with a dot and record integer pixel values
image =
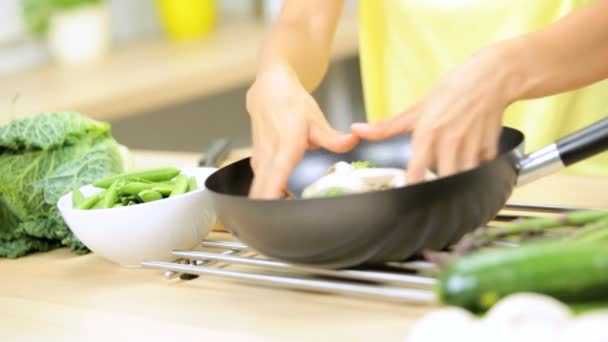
(356, 177)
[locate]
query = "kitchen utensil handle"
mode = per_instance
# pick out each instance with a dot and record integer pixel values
(216, 153)
(571, 149)
(584, 143)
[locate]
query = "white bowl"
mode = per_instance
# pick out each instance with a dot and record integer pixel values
(148, 231)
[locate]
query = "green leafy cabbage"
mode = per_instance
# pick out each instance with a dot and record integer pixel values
(42, 158)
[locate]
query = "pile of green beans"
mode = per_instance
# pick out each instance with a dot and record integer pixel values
(133, 188)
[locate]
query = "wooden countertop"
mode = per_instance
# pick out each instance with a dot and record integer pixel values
(153, 74)
(59, 296)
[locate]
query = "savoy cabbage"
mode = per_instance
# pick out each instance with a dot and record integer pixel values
(42, 158)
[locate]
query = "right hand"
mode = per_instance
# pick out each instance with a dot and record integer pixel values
(286, 122)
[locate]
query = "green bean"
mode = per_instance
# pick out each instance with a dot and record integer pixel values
(124, 200)
(149, 196)
(135, 188)
(77, 198)
(192, 184)
(92, 201)
(154, 175)
(111, 196)
(133, 199)
(118, 205)
(99, 204)
(164, 189)
(181, 185)
(138, 179)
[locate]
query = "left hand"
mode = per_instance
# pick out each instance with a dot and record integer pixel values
(457, 125)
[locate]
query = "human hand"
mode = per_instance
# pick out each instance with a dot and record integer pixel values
(457, 125)
(286, 122)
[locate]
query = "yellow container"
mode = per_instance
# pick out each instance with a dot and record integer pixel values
(187, 19)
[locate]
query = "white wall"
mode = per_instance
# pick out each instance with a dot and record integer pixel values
(11, 26)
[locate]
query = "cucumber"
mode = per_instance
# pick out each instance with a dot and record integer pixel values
(572, 272)
(154, 175)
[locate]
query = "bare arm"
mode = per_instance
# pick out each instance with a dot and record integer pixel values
(457, 124)
(285, 118)
(567, 55)
(301, 39)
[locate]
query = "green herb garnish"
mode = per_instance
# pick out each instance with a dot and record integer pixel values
(362, 164)
(331, 192)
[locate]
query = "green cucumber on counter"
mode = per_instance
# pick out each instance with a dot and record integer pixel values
(574, 272)
(134, 188)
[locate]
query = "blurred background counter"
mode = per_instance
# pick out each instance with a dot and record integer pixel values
(168, 74)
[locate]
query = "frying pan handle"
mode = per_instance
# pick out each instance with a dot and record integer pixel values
(569, 150)
(585, 143)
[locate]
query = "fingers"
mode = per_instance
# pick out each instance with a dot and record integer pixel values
(489, 143)
(471, 150)
(331, 139)
(422, 156)
(257, 152)
(457, 150)
(273, 171)
(449, 153)
(272, 160)
(388, 128)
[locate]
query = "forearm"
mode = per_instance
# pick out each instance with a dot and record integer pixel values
(300, 42)
(570, 54)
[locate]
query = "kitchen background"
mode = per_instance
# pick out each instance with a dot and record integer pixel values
(168, 74)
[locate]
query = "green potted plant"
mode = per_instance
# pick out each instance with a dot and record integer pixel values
(76, 31)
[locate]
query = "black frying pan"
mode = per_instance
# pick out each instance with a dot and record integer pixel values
(393, 224)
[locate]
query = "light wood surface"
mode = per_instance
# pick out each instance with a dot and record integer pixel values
(153, 74)
(61, 297)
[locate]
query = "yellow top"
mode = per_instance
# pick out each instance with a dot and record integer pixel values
(407, 45)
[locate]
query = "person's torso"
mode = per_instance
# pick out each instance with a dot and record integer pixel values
(407, 45)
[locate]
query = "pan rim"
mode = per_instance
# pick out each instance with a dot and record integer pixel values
(413, 187)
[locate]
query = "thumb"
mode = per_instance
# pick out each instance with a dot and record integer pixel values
(332, 139)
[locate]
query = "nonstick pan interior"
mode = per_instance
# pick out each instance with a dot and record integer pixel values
(367, 228)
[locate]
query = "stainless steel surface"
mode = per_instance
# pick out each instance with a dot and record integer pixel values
(374, 276)
(539, 164)
(173, 274)
(393, 294)
(224, 244)
(399, 282)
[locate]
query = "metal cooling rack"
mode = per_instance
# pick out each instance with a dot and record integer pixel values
(403, 282)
